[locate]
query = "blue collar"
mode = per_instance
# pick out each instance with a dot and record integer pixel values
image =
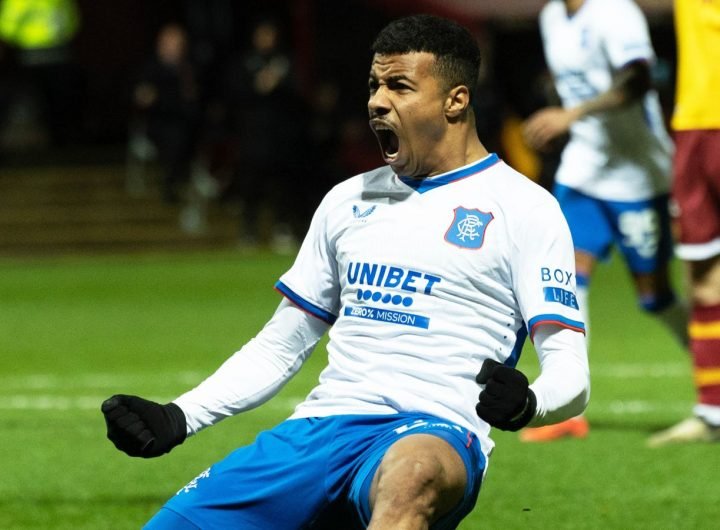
(430, 183)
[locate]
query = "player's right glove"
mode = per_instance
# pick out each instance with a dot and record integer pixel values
(143, 428)
(506, 402)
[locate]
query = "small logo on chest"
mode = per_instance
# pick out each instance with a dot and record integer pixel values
(358, 214)
(467, 229)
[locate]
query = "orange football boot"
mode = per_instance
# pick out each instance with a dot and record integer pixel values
(577, 427)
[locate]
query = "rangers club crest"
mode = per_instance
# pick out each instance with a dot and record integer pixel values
(467, 229)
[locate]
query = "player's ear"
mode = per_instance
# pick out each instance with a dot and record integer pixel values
(457, 101)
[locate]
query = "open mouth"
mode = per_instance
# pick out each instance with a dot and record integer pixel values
(389, 141)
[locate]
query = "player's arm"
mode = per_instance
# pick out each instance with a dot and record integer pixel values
(542, 267)
(561, 391)
(630, 83)
(247, 379)
(258, 371)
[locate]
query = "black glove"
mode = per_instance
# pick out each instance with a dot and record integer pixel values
(143, 428)
(506, 402)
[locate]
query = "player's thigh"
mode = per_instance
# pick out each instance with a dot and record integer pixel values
(436, 474)
(696, 193)
(420, 466)
(387, 452)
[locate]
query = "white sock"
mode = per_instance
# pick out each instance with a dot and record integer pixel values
(709, 413)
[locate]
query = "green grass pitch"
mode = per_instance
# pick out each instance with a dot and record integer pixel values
(76, 330)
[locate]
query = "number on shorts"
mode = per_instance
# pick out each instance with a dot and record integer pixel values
(641, 231)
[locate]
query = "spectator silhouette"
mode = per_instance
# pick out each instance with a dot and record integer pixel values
(167, 103)
(265, 116)
(322, 160)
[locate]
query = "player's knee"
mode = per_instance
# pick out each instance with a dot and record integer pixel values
(705, 295)
(705, 281)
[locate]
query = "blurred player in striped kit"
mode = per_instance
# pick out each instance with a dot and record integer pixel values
(696, 191)
(614, 176)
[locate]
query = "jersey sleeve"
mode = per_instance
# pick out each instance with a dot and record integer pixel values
(256, 372)
(625, 34)
(543, 267)
(312, 281)
(562, 389)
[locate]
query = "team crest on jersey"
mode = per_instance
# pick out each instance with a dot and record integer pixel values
(467, 229)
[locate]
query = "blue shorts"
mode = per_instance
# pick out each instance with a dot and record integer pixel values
(311, 473)
(641, 229)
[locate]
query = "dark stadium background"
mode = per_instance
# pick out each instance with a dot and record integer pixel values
(328, 39)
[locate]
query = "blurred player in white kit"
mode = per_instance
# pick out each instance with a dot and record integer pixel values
(614, 176)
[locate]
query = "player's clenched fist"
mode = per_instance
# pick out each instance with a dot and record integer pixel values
(506, 402)
(143, 428)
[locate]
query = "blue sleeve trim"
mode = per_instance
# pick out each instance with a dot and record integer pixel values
(514, 358)
(556, 320)
(303, 304)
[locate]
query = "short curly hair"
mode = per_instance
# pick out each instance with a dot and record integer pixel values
(456, 51)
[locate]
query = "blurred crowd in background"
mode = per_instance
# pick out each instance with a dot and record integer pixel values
(261, 102)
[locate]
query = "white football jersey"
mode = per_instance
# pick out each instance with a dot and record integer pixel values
(424, 280)
(623, 154)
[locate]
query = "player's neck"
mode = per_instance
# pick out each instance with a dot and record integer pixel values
(452, 159)
(475, 151)
(573, 5)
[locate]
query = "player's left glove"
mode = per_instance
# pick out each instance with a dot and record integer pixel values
(506, 402)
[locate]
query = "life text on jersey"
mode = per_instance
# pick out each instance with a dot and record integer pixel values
(561, 291)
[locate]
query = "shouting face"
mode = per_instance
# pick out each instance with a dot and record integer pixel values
(407, 112)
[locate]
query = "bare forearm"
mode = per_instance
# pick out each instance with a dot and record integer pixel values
(630, 84)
